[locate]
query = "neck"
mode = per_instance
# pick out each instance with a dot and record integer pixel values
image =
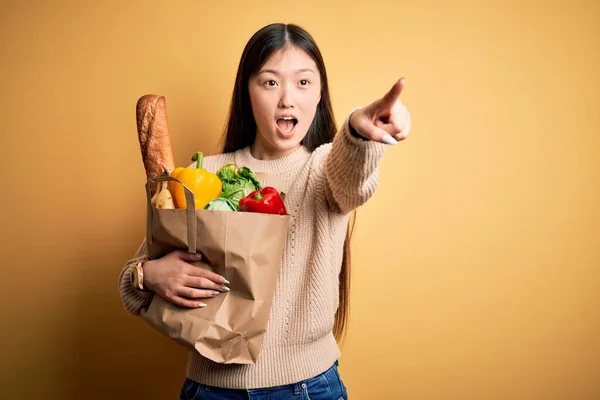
(264, 151)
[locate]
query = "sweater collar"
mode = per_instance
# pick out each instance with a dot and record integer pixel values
(277, 165)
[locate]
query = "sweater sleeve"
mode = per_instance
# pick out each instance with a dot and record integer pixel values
(351, 169)
(133, 299)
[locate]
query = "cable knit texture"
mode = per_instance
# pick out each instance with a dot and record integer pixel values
(322, 188)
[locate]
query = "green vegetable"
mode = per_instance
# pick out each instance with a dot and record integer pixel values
(238, 182)
(220, 204)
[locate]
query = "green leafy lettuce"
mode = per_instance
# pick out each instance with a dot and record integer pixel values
(238, 182)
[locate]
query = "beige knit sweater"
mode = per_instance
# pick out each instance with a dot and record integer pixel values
(321, 188)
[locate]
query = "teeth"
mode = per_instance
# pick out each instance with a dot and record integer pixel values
(288, 118)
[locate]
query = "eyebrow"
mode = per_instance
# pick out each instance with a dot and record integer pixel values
(272, 71)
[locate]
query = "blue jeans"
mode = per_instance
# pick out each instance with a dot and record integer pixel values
(325, 386)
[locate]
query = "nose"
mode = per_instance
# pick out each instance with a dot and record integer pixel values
(285, 101)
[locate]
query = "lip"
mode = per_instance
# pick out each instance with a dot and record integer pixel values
(286, 116)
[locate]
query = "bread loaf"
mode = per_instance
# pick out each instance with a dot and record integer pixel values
(154, 136)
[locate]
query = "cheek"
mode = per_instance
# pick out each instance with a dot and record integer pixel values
(260, 107)
(313, 98)
(311, 103)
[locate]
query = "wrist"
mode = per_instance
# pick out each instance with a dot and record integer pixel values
(353, 131)
(138, 277)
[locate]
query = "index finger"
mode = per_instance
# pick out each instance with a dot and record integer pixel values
(392, 95)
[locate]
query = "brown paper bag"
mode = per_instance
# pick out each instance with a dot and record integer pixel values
(246, 248)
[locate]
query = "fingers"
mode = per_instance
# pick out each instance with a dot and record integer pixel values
(195, 293)
(397, 125)
(204, 273)
(204, 283)
(187, 256)
(393, 125)
(198, 271)
(186, 296)
(390, 98)
(405, 130)
(183, 302)
(185, 281)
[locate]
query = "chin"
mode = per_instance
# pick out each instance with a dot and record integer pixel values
(286, 143)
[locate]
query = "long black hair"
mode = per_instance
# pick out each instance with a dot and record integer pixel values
(240, 130)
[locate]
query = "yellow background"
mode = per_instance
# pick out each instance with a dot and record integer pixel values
(477, 262)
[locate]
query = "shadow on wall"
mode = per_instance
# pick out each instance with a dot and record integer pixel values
(120, 356)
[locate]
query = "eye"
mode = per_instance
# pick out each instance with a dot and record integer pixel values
(304, 82)
(270, 83)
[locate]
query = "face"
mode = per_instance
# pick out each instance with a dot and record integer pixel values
(284, 95)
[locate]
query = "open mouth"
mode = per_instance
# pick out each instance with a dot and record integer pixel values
(287, 124)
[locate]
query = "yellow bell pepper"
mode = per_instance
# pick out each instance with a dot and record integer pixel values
(205, 185)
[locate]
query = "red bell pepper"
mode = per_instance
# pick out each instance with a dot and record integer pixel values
(266, 201)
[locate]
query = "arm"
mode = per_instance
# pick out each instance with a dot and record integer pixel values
(351, 166)
(175, 277)
(351, 169)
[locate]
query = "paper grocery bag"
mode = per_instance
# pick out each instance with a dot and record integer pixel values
(246, 248)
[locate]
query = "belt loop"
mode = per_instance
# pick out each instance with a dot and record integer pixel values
(297, 389)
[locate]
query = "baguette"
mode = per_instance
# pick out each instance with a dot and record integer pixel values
(154, 136)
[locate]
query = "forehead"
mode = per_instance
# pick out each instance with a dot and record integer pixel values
(290, 59)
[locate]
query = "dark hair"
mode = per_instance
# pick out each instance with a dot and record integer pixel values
(240, 130)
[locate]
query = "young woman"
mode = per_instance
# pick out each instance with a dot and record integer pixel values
(281, 122)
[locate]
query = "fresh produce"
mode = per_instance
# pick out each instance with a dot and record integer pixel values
(231, 188)
(221, 191)
(163, 198)
(238, 182)
(206, 186)
(266, 201)
(220, 204)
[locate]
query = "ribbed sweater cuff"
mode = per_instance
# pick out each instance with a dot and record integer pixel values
(351, 168)
(133, 299)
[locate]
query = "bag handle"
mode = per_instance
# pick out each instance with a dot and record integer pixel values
(190, 211)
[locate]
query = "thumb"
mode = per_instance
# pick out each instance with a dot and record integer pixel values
(380, 135)
(390, 98)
